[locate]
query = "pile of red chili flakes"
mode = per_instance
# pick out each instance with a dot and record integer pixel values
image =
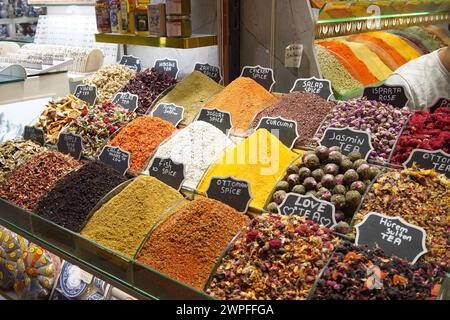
(428, 131)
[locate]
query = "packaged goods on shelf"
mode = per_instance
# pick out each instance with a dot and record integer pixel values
(12, 248)
(187, 245)
(141, 138)
(122, 223)
(269, 260)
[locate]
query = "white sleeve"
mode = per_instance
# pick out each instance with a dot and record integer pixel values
(397, 80)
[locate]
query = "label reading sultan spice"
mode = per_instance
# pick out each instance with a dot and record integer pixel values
(168, 171)
(348, 140)
(86, 93)
(127, 100)
(320, 87)
(208, 70)
(69, 143)
(285, 130)
(34, 134)
(392, 234)
(438, 160)
(168, 66)
(116, 158)
(233, 192)
(310, 207)
(131, 62)
(219, 119)
(169, 112)
(264, 76)
(393, 95)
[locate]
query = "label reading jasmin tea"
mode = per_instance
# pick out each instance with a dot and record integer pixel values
(69, 143)
(126, 100)
(86, 93)
(442, 102)
(131, 62)
(392, 234)
(438, 160)
(309, 207)
(320, 87)
(348, 140)
(169, 112)
(285, 130)
(116, 158)
(168, 171)
(34, 134)
(208, 70)
(169, 66)
(393, 95)
(219, 119)
(264, 76)
(233, 192)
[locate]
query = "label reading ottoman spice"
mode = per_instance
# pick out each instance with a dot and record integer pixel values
(127, 100)
(219, 119)
(169, 112)
(438, 160)
(131, 62)
(348, 140)
(309, 207)
(69, 143)
(86, 93)
(34, 134)
(233, 192)
(168, 66)
(208, 70)
(116, 158)
(285, 130)
(393, 95)
(263, 76)
(320, 87)
(393, 235)
(168, 171)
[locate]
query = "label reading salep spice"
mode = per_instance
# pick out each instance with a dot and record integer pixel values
(168, 171)
(348, 140)
(116, 158)
(285, 130)
(309, 207)
(86, 93)
(438, 160)
(34, 134)
(169, 112)
(127, 101)
(208, 70)
(131, 62)
(168, 66)
(264, 76)
(393, 95)
(219, 119)
(69, 143)
(320, 87)
(233, 192)
(392, 234)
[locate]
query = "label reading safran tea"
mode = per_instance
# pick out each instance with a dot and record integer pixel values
(348, 140)
(233, 192)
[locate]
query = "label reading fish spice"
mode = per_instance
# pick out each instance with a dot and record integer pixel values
(233, 192)
(393, 95)
(438, 160)
(86, 93)
(263, 76)
(320, 87)
(309, 207)
(131, 62)
(285, 130)
(127, 100)
(116, 158)
(168, 66)
(71, 144)
(208, 70)
(348, 140)
(170, 113)
(219, 119)
(34, 134)
(168, 171)
(392, 234)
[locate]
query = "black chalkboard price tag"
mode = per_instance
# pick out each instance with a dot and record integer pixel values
(442, 102)
(116, 158)
(168, 171)
(208, 70)
(264, 76)
(393, 95)
(285, 130)
(320, 87)
(348, 140)
(126, 100)
(86, 93)
(34, 134)
(169, 66)
(438, 160)
(233, 192)
(69, 143)
(392, 234)
(131, 62)
(219, 119)
(169, 112)
(310, 207)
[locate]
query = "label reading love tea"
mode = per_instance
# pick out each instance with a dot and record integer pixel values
(168, 171)
(233, 192)
(116, 158)
(69, 143)
(169, 66)
(126, 100)
(320, 87)
(393, 95)
(169, 112)
(34, 134)
(285, 130)
(348, 140)
(438, 160)
(208, 70)
(219, 119)
(86, 93)
(131, 62)
(264, 76)
(392, 234)
(309, 207)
